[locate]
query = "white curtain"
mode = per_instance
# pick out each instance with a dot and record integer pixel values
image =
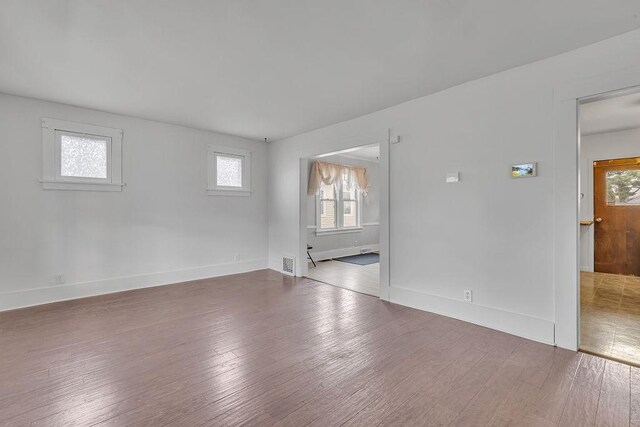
(330, 173)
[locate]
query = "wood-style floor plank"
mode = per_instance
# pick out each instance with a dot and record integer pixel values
(613, 405)
(582, 402)
(266, 349)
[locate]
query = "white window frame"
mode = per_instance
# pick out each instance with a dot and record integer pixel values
(213, 189)
(52, 131)
(339, 198)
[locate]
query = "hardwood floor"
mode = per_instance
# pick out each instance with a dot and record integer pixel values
(360, 278)
(265, 349)
(610, 315)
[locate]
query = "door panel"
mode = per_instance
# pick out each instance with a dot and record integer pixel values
(617, 216)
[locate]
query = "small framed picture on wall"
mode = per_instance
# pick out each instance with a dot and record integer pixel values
(524, 170)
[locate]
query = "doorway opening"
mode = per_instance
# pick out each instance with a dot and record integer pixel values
(610, 226)
(343, 219)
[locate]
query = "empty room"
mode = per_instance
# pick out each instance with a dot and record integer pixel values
(340, 212)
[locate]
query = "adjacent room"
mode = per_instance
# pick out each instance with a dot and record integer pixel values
(343, 213)
(610, 226)
(330, 213)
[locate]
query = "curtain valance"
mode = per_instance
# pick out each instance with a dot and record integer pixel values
(329, 173)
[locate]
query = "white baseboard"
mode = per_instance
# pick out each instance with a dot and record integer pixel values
(44, 295)
(513, 323)
(336, 253)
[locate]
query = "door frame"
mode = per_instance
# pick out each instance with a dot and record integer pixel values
(349, 144)
(567, 170)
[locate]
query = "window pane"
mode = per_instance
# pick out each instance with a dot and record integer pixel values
(348, 189)
(623, 187)
(83, 157)
(326, 191)
(328, 214)
(327, 206)
(229, 171)
(350, 214)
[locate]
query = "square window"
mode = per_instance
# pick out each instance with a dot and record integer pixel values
(79, 156)
(83, 156)
(229, 171)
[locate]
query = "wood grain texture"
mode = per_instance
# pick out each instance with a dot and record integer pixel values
(617, 225)
(266, 349)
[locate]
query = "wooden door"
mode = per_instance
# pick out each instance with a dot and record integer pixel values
(617, 216)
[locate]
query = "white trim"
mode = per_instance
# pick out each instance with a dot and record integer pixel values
(242, 193)
(329, 232)
(513, 323)
(589, 190)
(51, 179)
(81, 186)
(385, 216)
(44, 295)
(213, 189)
(337, 253)
(370, 224)
(566, 190)
(362, 159)
(56, 124)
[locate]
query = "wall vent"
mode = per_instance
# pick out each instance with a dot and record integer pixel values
(289, 265)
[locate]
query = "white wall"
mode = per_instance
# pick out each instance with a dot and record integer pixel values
(603, 146)
(161, 228)
(328, 246)
(489, 233)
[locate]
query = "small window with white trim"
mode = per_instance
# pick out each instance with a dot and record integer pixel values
(229, 171)
(78, 156)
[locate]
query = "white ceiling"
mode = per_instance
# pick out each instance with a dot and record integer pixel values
(610, 115)
(280, 67)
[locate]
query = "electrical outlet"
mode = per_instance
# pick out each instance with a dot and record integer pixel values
(468, 296)
(59, 278)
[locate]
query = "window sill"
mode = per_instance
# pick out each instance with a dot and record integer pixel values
(80, 186)
(338, 231)
(235, 193)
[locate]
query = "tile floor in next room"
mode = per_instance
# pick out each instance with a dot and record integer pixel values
(360, 278)
(610, 315)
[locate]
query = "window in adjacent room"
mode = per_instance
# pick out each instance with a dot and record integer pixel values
(78, 156)
(328, 205)
(229, 171)
(338, 206)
